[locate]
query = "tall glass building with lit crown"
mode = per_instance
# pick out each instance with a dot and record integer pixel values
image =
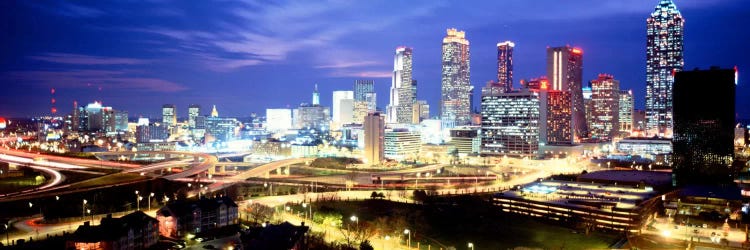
(403, 91)
(664, 48)
(505, 64)
(455, 108)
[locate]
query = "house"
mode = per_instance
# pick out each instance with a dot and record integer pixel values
(133, 231)
(195, 216)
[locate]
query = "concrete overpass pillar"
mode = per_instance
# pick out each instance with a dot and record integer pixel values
(222, 169)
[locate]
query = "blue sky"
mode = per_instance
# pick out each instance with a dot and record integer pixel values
(245, 56)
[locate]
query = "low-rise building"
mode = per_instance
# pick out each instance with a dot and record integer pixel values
(195, 216)
(133, 231)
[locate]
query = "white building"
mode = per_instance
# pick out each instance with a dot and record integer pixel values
(278, 119)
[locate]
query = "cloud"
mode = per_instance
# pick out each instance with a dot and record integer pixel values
(79, 59)
(67, 9)
(343, 65)
(106, 79)
(361, 74)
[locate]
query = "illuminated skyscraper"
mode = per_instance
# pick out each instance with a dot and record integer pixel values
(374, 127)
(505, 64)
(704, 126)
(169, 115)
(605, 97)
(455, 106)
(316, 96)
(194, 110)
(626, 112)
(214, 112)
(564, 71)
(510, 122)
(664, 31)
(364, 91)
(403, 93)
(554, 115)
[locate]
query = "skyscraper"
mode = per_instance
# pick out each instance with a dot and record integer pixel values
(316, 96)
(704, 126)
(505, 64)
(278, 119)
(605, 97)
(402, 89)
(564, 71)
(626, 112)
(510, 122)
(664, 31)
(342, 114)
(554, 115)
(194, 110)
(374, 138)
(214, 112)
(455, 106)
(362, 88)
(169, 115)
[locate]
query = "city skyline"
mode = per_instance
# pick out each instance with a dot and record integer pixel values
(138, 71)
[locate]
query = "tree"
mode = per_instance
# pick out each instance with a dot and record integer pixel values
(260, 213)
(365, 245)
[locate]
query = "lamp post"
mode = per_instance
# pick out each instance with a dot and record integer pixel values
(88, 211)
(305, 205)
(7, 241)
(355, 219)
(471, 245)
(137, 201)
(151, 196)
(83, 209)
(386, 239)
(408, 243)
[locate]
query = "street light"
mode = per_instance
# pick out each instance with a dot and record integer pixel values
(304, 205)
(408, 243)
(83, 209)
(355, 219)
(138, 202)
(149, 201)
(471, 245)
(7, 241)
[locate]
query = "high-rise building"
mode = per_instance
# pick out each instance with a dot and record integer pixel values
(342, 114)
(420, 112)
(455, 104)
(588, 105)
(510, 122)
(169, 115)
(194, 110)
(534, 83)
(704, 126)
(626, 112)
(564, 71)
(374, 128)
(214, 112)
(403, 93)
(306, 116)
(121, 121)
(362, 88)
(278, 119)
(221, 128)
(505, 64)
(145, 133)
(466, 141)
(554, 116)
(664, 34)
(316, 96)
(605, 97)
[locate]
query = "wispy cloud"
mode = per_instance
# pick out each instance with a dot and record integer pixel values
(67, 9)
(362, 74)
(79, 59)
(106, 79)
(343, 65)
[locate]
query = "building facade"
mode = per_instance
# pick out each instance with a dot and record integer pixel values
(704, 102)
(278, 119)
(183, 216)
(505, 65)
(401, 144)
(565, 73)
(626, 112)
(664, 50)
(403, 86)
(605, 97)
(555, 119)
(374, 129)
(455, 108)
(169, 115)
(510, 122)
(194, 110)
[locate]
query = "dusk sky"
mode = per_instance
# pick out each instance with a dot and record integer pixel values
(246, 56)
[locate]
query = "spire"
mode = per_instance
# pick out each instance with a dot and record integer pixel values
(665, 7)
(316, 96)
(214, 113)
